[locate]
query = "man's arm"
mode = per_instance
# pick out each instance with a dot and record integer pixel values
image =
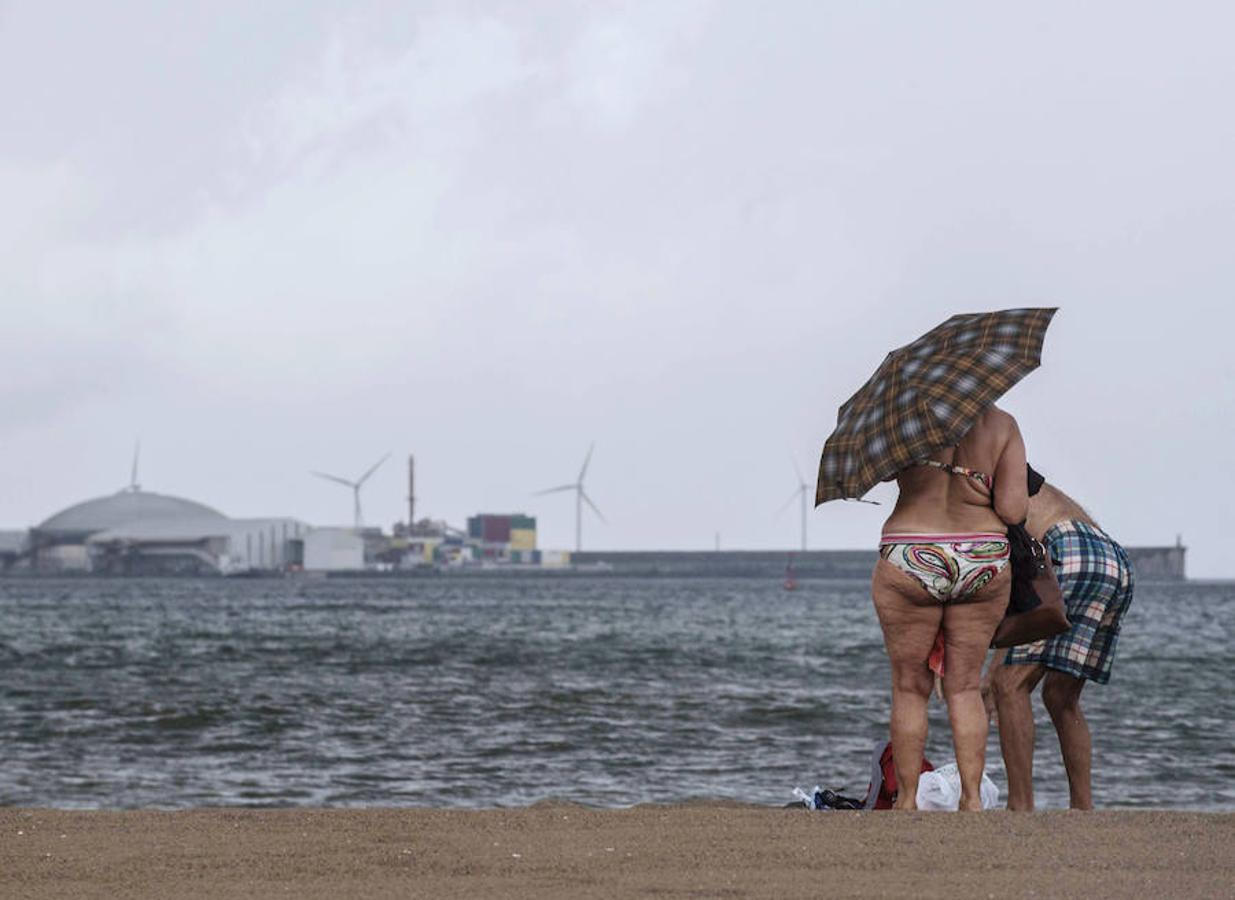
(988, 698)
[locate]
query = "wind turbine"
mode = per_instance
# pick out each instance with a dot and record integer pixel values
(802, 491)
(354, 485)
(134, 487)
(581, 497)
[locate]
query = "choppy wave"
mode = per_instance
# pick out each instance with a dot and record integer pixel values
(477, 693)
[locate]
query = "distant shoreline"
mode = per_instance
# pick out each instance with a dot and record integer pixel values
(479, 574)
(1152, 564)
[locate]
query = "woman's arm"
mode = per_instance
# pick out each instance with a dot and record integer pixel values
(1011, 491)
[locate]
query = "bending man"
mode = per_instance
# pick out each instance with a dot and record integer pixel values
(1096, 579)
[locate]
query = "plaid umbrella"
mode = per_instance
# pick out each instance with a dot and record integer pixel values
(927, 395)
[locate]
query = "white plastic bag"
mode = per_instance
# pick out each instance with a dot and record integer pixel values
(941, 789)
(808, 799)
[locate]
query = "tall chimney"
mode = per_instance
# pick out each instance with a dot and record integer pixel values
(411, 493)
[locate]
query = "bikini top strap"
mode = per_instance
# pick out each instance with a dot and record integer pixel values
(981, 477)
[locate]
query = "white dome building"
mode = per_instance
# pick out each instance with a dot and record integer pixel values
(78, 522)
(141, 532)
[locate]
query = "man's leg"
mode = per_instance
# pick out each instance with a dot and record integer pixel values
(1061, 693)
(1012, 687)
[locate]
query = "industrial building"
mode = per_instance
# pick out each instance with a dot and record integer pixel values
(333, 550)
(143, 532)
(13, 546)
(138, 532)
(503, 537)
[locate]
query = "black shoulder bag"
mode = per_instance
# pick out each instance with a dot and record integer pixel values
(1036, 609)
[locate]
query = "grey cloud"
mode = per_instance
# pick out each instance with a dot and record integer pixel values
(311, 233)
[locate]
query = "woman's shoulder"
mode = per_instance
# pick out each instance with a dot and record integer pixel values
(998, 419)
(995, 425)
(994, 431)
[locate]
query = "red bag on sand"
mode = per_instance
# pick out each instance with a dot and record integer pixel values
(882, 791)
(935, 661)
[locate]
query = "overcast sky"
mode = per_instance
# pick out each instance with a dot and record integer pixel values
(280, 236)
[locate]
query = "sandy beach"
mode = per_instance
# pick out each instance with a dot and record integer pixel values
(562, 850)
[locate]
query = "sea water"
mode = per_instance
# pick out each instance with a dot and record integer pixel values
(464, 691)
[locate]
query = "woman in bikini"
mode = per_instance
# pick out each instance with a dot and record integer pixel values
(943, 571)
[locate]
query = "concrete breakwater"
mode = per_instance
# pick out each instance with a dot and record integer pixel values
(1151, 563)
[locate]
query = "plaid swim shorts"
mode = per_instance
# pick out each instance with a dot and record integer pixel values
(1096, 578)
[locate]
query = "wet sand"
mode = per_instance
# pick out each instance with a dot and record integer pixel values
(556, 850)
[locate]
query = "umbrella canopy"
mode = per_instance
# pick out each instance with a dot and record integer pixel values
(927, 395)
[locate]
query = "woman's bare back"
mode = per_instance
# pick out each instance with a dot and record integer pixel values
(933, 501)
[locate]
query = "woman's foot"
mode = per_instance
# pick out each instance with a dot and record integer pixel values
(970, 804)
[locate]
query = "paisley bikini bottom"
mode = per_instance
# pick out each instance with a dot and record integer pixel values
(950, 566)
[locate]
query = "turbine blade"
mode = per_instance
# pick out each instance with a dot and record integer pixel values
(137, 453)
(784, 506)
(797, 471)
(587, 459)
(334, 478)
(588, 501)
(556, 490)
(371, 470)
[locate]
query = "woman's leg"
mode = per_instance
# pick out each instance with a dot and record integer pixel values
(967, 630)
(910, 619)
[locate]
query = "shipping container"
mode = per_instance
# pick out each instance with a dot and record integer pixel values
(522, 539)
(495, 529)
